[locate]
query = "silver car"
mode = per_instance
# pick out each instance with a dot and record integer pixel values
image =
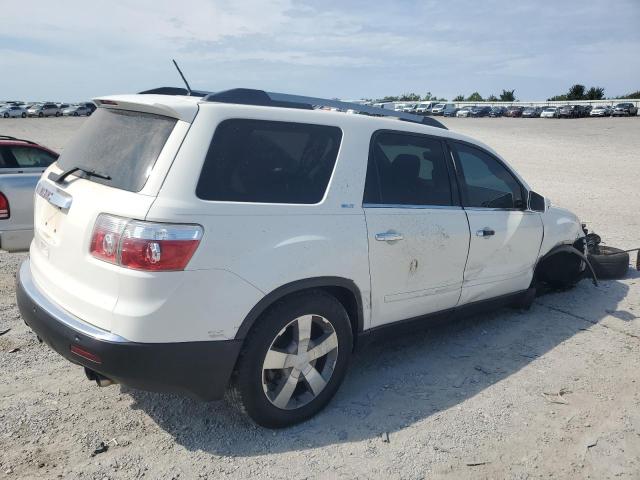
(44, 110)
(600, 111)
(21, 165)
(76, 111)
(12, 111)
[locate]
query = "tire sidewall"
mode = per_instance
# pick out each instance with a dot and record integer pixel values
(612, 263)
(249, 371)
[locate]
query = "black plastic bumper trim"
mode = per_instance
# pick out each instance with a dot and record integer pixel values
(198, 369)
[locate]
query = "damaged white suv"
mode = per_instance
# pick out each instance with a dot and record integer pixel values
(246, 242)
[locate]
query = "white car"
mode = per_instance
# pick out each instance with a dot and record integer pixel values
(601, 111)
(12, 111)
(549, 112)
(244, 242)
(424, 107)
(438, 109)
(464, 112)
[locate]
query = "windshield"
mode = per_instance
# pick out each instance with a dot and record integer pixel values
(119, 143)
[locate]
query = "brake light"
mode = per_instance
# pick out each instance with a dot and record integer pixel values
(142, 245)
(4, 207)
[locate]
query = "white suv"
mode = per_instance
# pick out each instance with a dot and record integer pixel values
(244, 242)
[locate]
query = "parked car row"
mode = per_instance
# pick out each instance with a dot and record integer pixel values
(45, 109)
(518, 111)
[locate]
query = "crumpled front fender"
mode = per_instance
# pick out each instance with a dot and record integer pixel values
(570, 250)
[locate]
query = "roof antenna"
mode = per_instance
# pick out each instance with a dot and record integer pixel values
(183, 79)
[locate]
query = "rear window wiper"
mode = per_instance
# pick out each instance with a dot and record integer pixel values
(59, 178)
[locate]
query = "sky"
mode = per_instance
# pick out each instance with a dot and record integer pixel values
(73, 50)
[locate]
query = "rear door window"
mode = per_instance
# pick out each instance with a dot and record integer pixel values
(121, 144)
(407, 169)
(269, 162)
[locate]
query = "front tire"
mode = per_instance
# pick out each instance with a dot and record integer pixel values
(609, 262)
(293, 361)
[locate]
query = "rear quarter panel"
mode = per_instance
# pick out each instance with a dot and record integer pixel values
(269, 245)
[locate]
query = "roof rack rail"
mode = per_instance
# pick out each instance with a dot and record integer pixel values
(7, 137)
(248, 96)
(175, 91)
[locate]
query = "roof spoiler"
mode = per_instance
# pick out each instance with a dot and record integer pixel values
(175, 91)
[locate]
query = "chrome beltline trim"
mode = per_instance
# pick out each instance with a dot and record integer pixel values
(422, 207)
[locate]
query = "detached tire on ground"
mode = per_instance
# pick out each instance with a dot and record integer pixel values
(609, 262)
(293, 360)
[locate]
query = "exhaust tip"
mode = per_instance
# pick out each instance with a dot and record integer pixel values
(100, 379)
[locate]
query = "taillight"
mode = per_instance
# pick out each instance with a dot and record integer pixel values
(4, 207)
(142, 245)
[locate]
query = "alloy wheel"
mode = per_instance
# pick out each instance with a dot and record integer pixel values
(300, 362)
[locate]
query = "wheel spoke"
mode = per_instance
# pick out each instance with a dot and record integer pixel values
(284, 395)
(304, 333)
(325, 345)
(276, 360)
(314, 379)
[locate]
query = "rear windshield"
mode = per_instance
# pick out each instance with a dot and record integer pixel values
(121, 144)
(269, 162)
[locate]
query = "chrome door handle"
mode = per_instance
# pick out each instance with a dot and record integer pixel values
(389, 236)
(485, 232)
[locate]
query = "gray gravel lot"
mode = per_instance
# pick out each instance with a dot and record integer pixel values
(474, 399)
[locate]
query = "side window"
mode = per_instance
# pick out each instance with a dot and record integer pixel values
(27, 157)
(407, 169)
(269, 162)
(486, 183)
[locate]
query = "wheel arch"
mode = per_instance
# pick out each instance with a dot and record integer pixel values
(344, 290)
(556, 254)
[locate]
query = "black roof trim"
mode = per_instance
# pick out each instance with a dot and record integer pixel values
(7, 137)
(174, 91)
(250, 96)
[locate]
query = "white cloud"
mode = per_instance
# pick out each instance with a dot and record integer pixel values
(360, 48)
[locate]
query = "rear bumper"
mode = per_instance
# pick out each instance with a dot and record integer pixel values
(198, 369)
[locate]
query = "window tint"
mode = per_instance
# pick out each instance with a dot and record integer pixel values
(485, 181)
(28, 157)
(407, 170)
(269, 162)
(119, 143)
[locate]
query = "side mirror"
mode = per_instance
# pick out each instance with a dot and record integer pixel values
(537, 202)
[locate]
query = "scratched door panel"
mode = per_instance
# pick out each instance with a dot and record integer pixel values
(423, 271)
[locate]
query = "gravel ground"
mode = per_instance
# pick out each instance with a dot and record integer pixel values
(475, 399)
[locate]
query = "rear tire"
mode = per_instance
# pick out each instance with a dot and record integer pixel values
(609, 262)
(297, 387)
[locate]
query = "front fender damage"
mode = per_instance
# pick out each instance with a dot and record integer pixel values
(564, 266)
